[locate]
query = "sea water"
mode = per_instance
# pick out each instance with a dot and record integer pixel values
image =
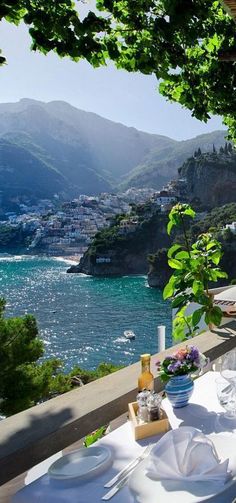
(82, 319)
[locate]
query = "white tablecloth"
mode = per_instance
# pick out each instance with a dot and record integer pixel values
(203, 412)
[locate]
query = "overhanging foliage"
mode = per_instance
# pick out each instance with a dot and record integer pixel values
(179, 41)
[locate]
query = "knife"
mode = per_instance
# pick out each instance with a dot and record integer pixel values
(116, 488)
(130, 466)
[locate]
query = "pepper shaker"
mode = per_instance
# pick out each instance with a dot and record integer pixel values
(154, 405)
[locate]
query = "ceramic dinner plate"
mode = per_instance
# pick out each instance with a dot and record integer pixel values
(146, 490)
(81, 464)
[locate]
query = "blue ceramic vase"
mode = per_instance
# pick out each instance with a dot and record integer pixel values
(179, 389)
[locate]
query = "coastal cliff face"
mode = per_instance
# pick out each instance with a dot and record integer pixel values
(211, 178)
(145, 250)
(120, 263)
(159, 271)
(125, 254)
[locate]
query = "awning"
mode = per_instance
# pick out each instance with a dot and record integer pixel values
(230, 7)
(226, 300)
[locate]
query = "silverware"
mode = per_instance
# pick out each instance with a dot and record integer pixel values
(117, 487)
(129, 467)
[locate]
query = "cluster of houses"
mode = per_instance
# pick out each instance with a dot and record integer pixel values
(68, 228)
(173, 192)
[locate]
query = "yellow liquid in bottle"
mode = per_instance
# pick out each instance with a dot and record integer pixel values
(146, 379)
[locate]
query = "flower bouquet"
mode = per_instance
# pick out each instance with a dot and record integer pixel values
(175, 370)
(184, 361)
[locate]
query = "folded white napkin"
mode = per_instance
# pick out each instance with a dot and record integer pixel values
(186, 454)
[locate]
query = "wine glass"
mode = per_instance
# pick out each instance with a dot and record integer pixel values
(228, 368)
(227, 397)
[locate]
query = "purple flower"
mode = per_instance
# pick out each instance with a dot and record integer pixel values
(174, 366)
(193, 355)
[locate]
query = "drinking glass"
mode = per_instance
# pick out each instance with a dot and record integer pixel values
(228, 367)
(227, 397)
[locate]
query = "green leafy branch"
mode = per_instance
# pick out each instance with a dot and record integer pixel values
(195, 267)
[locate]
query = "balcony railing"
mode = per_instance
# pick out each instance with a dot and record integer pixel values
(37, 433)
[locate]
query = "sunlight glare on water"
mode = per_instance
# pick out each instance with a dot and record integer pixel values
(81, 318)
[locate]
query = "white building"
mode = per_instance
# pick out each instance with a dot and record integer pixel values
(231, 227)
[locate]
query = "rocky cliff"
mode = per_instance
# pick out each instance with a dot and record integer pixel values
(211, 178)
(116, 254)
(159, 272)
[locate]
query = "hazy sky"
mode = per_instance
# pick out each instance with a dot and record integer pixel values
(120, 96)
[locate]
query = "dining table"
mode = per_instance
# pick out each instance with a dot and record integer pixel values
(203, 412)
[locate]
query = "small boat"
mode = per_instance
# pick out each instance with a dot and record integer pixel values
(129, 334)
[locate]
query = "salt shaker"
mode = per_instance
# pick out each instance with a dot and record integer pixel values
(142, 406)
(154, 405)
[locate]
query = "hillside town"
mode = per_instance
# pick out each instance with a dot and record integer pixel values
(68, 228)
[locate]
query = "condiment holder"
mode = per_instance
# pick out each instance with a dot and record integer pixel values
(147, 416)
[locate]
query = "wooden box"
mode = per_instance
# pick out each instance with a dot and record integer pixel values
(147, 429)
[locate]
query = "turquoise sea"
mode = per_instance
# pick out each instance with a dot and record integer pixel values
(82, 319)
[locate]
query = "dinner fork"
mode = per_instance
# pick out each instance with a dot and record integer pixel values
(129, 467)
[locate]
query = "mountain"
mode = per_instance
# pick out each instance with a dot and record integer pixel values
(33, 176)
(161, 165)
(89, 152)
(49, 148)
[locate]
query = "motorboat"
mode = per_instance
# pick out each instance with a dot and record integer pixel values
(129, 334)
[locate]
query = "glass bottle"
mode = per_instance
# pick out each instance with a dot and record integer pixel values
(146, 379)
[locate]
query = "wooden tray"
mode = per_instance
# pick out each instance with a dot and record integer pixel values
(147, 429)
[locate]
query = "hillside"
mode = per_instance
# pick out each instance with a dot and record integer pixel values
(145, 250)
(81, 152)
(90, 152)
(126, 253)
(27, 173)
(161, 165)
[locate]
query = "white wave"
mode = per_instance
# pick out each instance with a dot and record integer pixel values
(16, 258)
(121, 339)
(67, 260)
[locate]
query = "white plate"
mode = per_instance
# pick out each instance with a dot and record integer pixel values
(82, 463)
(148, 490)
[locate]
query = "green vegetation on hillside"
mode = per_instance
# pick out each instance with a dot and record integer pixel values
(215, 220)
(112, 238)
(162, 164)
(66, 147)
(48, 148)
(9, 235)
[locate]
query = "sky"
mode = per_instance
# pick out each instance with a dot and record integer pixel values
(129, 98)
